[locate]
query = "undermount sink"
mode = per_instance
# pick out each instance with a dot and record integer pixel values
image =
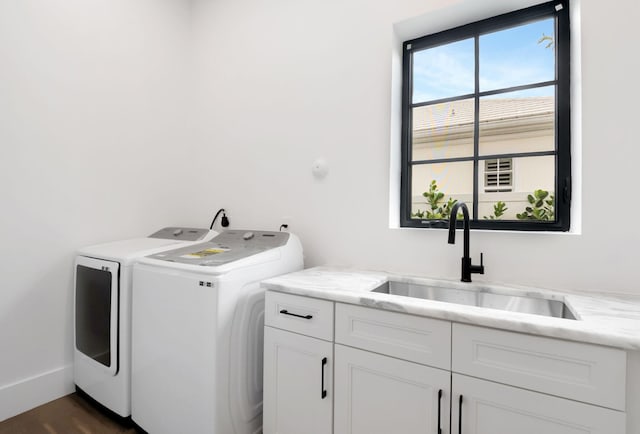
(480, 297)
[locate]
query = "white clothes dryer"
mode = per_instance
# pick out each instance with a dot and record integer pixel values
(102, 312)
(198, 316)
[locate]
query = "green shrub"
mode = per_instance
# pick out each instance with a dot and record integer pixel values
(498, 211)
(437, 207)
(542, 207)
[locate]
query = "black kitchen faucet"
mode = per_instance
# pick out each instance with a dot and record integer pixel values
(467, 267)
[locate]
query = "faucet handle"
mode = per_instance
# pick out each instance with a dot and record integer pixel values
(478, 269)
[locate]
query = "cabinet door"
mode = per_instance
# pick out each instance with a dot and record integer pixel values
(376, 394)
(491, 408)
(297, 383)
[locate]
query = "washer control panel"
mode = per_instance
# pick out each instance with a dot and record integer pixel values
(226, 247)
(182, 234)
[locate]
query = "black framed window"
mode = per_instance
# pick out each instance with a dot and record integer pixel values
(486, 121)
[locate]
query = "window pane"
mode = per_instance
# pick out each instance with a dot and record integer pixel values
(516, 122)
(517, 56)
(432, 186)
(443, 130)
(528, 176)
(444, 71)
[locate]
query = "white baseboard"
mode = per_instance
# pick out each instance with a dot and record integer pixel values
(23, 395)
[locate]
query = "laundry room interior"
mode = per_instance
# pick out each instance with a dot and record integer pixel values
(119, 118)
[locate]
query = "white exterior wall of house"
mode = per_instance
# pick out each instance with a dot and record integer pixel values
(513, 126)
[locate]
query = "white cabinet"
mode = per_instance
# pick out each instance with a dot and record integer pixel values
(297, 384)
(304, 315)
(574, 370)
(375, 394)
(405, 374)
(492, 408)
(418, 339)
(544, 371)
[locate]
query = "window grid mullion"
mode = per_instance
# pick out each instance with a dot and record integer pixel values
(476, 126)
(484, 93)
(485, 157)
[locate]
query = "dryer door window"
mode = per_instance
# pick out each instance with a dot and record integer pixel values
(96, 311)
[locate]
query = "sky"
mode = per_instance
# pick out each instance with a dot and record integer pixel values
(510, 57)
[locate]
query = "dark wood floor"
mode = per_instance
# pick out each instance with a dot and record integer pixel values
(71, 414)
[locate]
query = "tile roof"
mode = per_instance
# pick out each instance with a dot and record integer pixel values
(458, 113)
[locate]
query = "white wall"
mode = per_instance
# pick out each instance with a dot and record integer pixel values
(93, 147)
(108, 131)
(282, 83)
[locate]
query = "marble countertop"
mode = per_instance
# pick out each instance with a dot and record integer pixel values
(601, 319)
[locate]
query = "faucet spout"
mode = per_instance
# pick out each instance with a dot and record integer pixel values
(452, 225)
(467, 267)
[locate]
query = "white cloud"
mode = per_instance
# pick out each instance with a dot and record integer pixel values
(442, 75)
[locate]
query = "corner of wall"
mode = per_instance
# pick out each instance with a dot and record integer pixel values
(395, 130)
(576, 118)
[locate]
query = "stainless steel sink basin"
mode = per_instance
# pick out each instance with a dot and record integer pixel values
(479, 297)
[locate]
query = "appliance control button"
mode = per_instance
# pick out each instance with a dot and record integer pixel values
(247, 235)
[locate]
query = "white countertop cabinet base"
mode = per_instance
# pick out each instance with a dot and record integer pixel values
(390, 368)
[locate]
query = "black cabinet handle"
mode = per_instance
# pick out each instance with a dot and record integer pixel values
(286, 312)
(323, 393)
(439, 402)
(460, 416)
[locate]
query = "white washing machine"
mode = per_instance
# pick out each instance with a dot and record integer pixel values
(102, 312)
(198, 316)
